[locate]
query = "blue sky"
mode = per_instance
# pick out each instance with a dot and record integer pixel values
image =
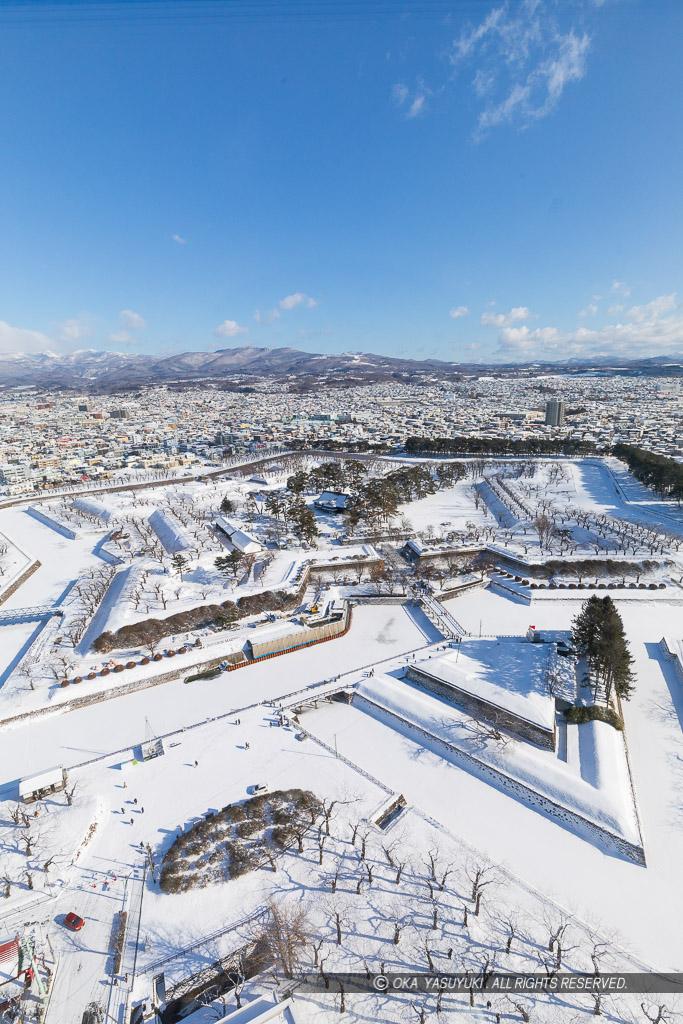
(468, 181)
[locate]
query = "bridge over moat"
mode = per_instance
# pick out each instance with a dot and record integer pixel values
(13, 616)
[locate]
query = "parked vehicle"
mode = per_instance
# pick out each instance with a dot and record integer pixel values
(260, 788)
(73, 922)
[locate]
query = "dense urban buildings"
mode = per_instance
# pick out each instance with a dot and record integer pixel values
(54, 438)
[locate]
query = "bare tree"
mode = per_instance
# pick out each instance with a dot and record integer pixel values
(321, 843)
(397, 919)
(656, 1014)
(150, 862)
(239, 980)
(556, 938)
(342, 1001)
(316, 947)
(419, 1011)
(283, 934)
(217, 1007)
(479, 877)
(511, 933)
(327, 812)
(438, 871)
(339, 919)
(521, 1010)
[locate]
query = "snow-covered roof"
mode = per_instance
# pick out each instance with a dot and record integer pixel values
(238, 538)
(332, 499)
(170, 532)
(49, 777)
(10, 960)
(263, 1010)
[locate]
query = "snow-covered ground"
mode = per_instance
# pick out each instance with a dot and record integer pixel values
(450, 807)
(504, 672)
(587, 775)
(205, 769)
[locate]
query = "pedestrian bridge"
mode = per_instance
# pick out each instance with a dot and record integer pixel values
(13, 616)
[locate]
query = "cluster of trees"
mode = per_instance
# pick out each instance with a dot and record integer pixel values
(374, 500)
(594, 713)
(231, 564)
(663, 475)
(241, 837)
(329, 476)
(378, 500)
(552, 521)
(30, 844)
(293, 513)
(333, 445)
(498, 446)
(598, 635)
(91, 588)
(597, 567)
(148, 634)
(378, 902)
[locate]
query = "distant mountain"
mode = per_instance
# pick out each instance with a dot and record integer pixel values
(115, 371)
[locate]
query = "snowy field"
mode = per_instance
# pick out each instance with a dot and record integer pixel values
(378, 632)
(508, 674)
(118, 570)
(163, 796)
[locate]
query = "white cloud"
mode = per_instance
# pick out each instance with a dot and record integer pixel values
(459, 312)
(400, 93)
(297, 299)
(122, 338)
(74, 329)
(523, 59)
(284, 305)
(516, 314)
(650, 332)
(652, 310)
(621, 287)
(19, 339)
(230, 329)
(615, 309)
(504, 111)
(590, 310)
(483, 82)
(412, 101)
(131, 321)
(268, 316)
(178, 239)
(522, 339)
